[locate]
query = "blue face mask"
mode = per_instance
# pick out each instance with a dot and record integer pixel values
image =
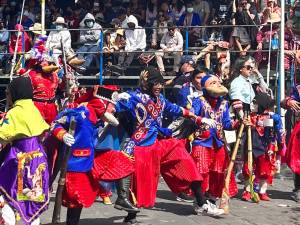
(297, 13)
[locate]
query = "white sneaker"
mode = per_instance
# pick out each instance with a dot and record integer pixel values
(208, 208)
(212, 209)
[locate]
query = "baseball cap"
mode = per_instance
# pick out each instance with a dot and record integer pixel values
(187, 59)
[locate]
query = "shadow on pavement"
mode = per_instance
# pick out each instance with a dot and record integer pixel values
(97, 221)
(275, 194)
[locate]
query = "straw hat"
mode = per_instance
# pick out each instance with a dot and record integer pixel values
(60, 20)
(37, 29)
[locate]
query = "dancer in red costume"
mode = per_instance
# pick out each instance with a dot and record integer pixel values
(209, 151)
(293, 151)
(153, 149)
(84, 169)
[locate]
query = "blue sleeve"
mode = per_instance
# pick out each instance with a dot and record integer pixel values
(226, 122)
(196, 20)
(181, 98)
(172, 109)
(181, 20)
(62, 121)
(278, 128)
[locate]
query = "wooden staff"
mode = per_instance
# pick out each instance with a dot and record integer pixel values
(224, 201)
(62, 178)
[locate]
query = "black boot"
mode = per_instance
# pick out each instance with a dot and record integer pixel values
(73, 216)
(122, 202)
(130, 219)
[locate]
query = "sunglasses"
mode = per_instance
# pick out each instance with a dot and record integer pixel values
(248, 67)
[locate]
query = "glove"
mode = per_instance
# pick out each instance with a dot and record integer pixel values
(278, 165)
(122, 96)
(210, 122)
(68, 139)
(241, 114)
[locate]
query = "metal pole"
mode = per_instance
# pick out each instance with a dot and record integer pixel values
(282, 75)
(101, 58)
(43, 2)
(186, 41)
(23, 49)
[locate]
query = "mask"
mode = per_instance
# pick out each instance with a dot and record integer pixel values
(297, 13)
(217, 92)
(90, 24)
(190, 10)
(59, 27)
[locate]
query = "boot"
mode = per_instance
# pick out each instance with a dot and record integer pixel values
(130, 219)
(76, 61)
(122, 202)
(73, 216)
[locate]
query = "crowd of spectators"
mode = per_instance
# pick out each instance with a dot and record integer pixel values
(156, 25)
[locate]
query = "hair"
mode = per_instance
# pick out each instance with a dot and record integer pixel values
(150, 6)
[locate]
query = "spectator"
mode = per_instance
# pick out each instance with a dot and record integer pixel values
(122, 16)
(4, 36)
(242, 41)
(168, 13)
(178, 8)
(271, 8)
(151, 12)
(190, 18)
(13, 40)
(137, 9)
(160, 28)
(89, 39)
(135, 41)
(203, 9)
(113, 42)
(61, 34)
(171, 44)
(26, 20)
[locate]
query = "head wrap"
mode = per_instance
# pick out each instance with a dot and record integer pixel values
(204, 79)
(20, 88)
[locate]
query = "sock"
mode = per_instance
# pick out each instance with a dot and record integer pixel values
(247, 186)
(263, 187)
(196, 188)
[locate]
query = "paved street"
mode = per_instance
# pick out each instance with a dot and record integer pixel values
(280, 211)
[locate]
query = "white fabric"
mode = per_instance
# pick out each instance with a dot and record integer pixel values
(111, 119)
(136, 38)
(8, 215)
(68, 139)
(174, 43)
(53, 40)
(91, 36)
(210, 122)
(263, 187)
(36, 222)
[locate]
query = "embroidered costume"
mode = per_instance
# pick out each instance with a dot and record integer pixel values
(208, 149)
(24, 170)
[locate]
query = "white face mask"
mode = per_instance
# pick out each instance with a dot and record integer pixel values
(90, 24)
(190, 10)
(59, 27)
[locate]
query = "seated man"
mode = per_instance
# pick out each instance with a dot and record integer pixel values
(171, 43)
(135, 41)
(61, 34)
(89, 38)
(4, 37)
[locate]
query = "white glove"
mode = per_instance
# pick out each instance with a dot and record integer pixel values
(68, 139)
(241, 114)
(123, 96)
(210, 122)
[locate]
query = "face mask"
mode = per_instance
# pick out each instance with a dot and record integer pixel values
(90, 24)
(59, 27)
(297, 13)
(190, 10)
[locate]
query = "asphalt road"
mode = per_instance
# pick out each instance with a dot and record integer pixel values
(281, 210)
